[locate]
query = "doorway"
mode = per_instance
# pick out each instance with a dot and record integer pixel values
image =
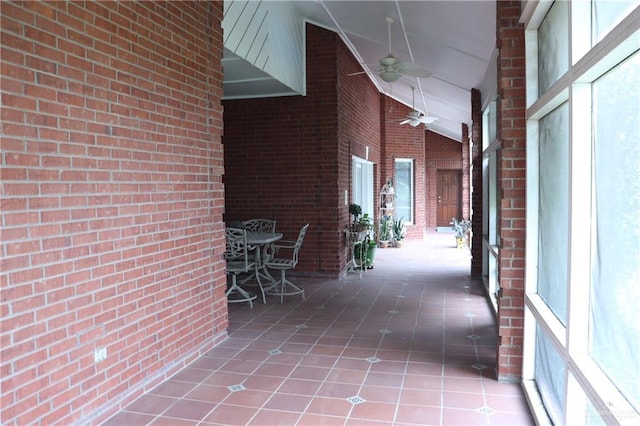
(448, 201)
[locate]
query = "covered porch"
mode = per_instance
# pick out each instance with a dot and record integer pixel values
(411, 341)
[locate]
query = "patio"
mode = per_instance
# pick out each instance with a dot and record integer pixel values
(411, 342)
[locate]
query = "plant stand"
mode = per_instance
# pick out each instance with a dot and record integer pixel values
(387, 196)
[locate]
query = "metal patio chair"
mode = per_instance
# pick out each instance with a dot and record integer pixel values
(238, 261)
(283, 256)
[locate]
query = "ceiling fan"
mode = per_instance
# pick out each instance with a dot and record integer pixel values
(415, 118)
(391, 69)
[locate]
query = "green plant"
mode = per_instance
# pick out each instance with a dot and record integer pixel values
(460, 227)
(365, 221)
(371, 253)
(399, 229)
(385, 228)
(356, 211)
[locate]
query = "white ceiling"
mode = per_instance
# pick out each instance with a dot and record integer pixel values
(454, 40)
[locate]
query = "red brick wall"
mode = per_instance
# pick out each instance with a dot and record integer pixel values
(404, 141)
(476, 182)
(511, 159)
(441, 153)
(289, 158)
(111, 202)
(466, 182)
(359, 127)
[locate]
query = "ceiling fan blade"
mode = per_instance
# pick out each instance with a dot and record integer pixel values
(408, 120)
(412, 70)
(427, 120)
(357, 73)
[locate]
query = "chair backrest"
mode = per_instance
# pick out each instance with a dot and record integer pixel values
(236, 252)
(260, 225)
(298, 244)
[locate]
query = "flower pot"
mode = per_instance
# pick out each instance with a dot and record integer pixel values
(371, 254)
(358, 228)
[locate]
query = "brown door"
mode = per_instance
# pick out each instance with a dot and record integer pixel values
(448, 196)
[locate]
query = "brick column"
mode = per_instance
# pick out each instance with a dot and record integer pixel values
(476, 183)
(466, 182)
(511, 188)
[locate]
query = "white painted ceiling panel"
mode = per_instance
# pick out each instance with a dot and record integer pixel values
(268, 36)
(455, 40)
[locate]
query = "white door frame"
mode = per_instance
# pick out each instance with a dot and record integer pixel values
(362, 184)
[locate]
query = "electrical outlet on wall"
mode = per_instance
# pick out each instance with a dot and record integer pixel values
(100, 354)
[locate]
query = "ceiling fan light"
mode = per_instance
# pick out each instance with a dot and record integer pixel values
(390, 76)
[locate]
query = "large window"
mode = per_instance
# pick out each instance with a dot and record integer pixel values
(362, 184)
(614, 338)
(490, 250)
(404, 189)
(582, 332)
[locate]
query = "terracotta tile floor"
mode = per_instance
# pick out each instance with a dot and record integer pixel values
(411, 342)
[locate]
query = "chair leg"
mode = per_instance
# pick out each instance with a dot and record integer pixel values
(256, 275)
(284, 283)
(282, 280)
(246, 297)
(295, 288)
(264, 298)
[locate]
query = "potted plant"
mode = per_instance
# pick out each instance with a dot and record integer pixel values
(386, 222)
(461, 229)
(399, 231)
(361, 222)
(356, 211)
(371, 253)
(365, 223)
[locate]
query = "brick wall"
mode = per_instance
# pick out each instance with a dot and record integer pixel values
(111, 202)
(289, 158)
(404, 141)
(465, 173)
(359, 128)
(476, 182)
(441, 153)
(511, 157)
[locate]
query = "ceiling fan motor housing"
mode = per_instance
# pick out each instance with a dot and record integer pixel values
(389, 61)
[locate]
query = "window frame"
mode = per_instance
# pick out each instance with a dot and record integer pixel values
(411, 162)
(588, 389)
